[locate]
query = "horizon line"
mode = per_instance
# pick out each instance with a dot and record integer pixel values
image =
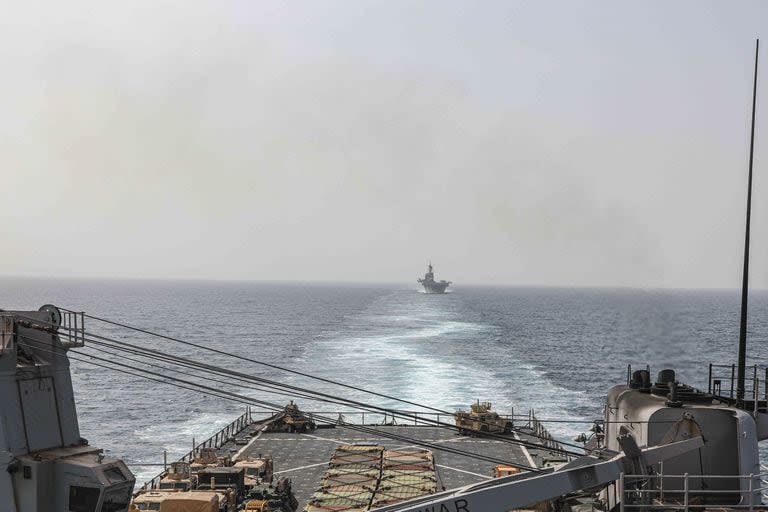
(368, 283)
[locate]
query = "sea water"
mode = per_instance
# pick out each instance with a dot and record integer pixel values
(554, 350)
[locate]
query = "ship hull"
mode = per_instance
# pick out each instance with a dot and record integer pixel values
(435, 287)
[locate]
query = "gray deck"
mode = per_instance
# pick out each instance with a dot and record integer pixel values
(304, 457)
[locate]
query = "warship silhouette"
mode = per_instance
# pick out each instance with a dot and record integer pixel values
(429, 283)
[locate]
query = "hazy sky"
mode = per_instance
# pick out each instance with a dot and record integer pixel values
(557, 143)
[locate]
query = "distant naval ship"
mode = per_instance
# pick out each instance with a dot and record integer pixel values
(429, 283)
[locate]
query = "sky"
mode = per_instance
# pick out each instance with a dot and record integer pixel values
(569, 143)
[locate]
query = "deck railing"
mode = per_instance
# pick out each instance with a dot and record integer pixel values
(539, 431)
(675, 492)
(72, 331)
(215, 441)
(401, 417)
(722, 382)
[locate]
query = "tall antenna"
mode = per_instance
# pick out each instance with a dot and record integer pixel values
(745, 277)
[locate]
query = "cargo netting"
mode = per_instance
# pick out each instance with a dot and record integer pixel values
(360, 477)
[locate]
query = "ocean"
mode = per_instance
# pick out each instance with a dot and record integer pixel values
(556, 350)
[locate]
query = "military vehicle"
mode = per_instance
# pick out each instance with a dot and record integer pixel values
(178, 477)
(291, 419)
(257, 470)
(222, 477)
(481, 418)
(186, 501)
(268, 498)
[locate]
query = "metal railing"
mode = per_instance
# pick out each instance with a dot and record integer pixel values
(400, 417)
(521, 422)
(764, 482)
(539, 430)
(722, 382)
(72, 332)
(6, 332)
(689, 491)
(215, 441)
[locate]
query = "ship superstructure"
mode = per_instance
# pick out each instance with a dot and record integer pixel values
(429, 283)
(44, 462)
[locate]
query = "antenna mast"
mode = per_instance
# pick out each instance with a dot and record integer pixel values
(740, 388)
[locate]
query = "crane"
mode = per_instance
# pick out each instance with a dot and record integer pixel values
(517, 491)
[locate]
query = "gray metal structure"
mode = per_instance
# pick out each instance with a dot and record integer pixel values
(45, 465)
(685, 434)
(730, 454)
(518, 491)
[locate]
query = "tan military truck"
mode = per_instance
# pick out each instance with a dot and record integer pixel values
(257, 470)
(178, 477)
(184, 501)
(206, 457)
(481, 418)
(291, 419)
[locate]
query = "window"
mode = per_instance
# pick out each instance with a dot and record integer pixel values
(116, 499)
(148, 506)
(83, 499)
(114, 475)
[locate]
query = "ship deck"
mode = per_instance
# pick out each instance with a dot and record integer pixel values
(304, 457)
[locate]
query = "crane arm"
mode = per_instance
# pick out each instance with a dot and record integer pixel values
(518, 491)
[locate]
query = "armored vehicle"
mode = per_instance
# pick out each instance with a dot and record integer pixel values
(189, 501)
(178, 477)
(481, 418)
(222, 478)
(267, 498)
(257, 471)
(291, 419)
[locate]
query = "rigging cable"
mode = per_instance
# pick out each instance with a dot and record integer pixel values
(356, 404)
(303, 374)
(277, 408)
(353, 403)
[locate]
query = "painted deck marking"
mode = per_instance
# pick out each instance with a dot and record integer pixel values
(464, 471)
(525, 451)
(253, 440)
(302, 467)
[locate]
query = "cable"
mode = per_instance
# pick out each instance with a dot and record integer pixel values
(359, 404)
(255, 361)
(353, 403)
(277, 408)
(265, 389)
